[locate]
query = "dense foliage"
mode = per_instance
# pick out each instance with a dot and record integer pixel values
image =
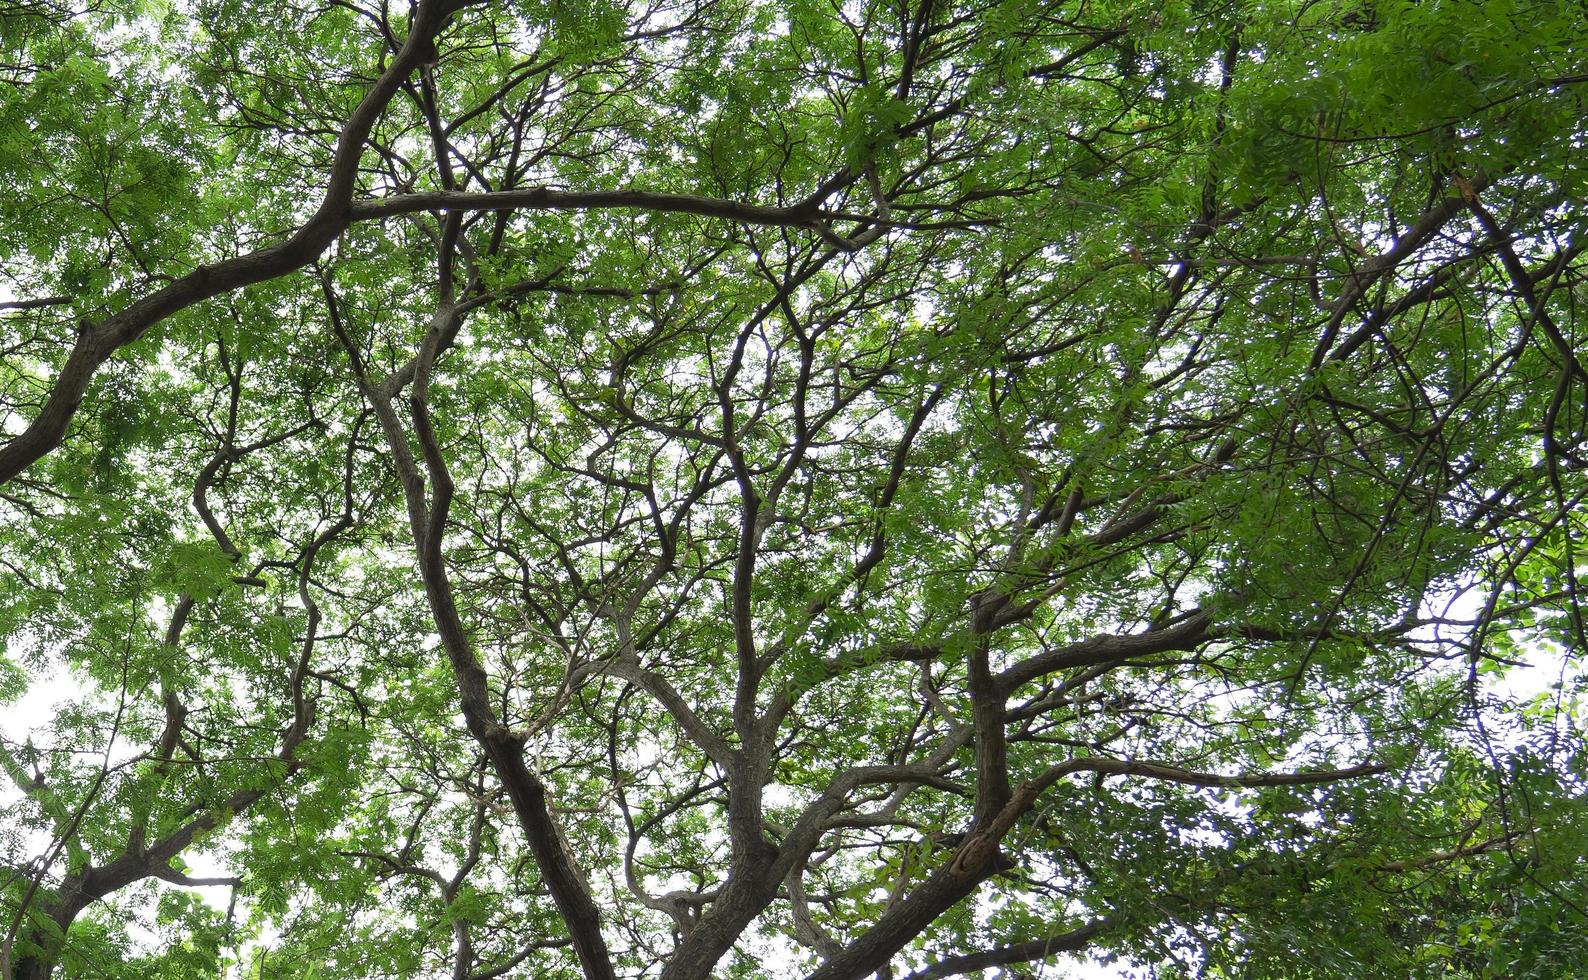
(781, 488)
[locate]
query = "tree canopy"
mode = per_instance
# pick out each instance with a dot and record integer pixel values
(740, 488)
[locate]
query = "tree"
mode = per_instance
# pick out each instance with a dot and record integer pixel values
(712, 487)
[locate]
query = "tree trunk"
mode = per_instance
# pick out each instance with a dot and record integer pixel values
(46, 944)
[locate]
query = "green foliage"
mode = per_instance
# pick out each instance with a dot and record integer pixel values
(1103, 397)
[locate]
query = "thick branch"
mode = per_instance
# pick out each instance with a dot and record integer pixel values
(1107, 647)
(96, 344)
(1034, 949)
(547, 199)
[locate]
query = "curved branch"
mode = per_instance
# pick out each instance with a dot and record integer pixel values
(546, 199)
(1033, 949)
(97, 344)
